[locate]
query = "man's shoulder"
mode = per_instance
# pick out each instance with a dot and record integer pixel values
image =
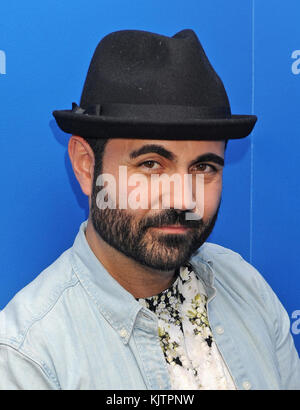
(34, 301)
(232, 271)
(229, 266)
(209, 251)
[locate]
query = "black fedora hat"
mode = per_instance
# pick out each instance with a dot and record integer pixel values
(145, 85)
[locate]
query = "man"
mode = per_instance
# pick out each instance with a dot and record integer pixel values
(141, 300)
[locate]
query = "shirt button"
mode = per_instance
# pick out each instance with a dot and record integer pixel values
(247, 385)
(123, 333)
(219, 330)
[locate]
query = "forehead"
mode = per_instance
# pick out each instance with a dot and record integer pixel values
(184, 149)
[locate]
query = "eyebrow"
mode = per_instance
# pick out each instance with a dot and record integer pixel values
(157, 149)
(160, 150)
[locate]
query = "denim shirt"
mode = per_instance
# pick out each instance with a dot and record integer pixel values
(75, 327)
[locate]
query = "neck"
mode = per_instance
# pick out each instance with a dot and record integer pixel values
(139, 280)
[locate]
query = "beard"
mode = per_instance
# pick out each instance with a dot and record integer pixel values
(131, 236)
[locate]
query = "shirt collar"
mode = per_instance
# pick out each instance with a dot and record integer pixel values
(117, 305)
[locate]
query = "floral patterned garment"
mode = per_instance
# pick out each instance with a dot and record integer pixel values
(192, 357)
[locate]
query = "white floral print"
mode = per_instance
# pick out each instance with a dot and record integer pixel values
(192, 357)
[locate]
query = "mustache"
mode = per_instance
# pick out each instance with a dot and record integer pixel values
(170, 217)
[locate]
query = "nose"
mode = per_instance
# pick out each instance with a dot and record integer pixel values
(192, 196)
(181, 191)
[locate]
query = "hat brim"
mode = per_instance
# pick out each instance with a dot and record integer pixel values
(94, 126)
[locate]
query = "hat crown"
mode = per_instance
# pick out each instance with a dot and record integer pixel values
(140, 67)
(146, 85)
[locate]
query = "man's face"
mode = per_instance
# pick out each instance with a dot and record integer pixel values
(154, 235)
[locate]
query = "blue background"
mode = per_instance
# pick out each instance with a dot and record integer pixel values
(48, 46)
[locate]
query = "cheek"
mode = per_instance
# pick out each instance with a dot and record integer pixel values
(132, 191)
(212, 197)
(133, 194)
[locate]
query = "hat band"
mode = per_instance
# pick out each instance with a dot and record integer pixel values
(153, 111)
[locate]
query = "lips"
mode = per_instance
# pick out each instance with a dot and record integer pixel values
(172, 228)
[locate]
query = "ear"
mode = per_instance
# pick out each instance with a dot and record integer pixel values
(83, 160)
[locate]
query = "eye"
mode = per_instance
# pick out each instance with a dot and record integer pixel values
(205, 168)
(150, 164)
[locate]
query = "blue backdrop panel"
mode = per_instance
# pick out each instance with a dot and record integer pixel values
(45, 50)
(276, 151)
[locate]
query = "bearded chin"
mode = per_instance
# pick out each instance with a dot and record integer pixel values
(160, 251)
